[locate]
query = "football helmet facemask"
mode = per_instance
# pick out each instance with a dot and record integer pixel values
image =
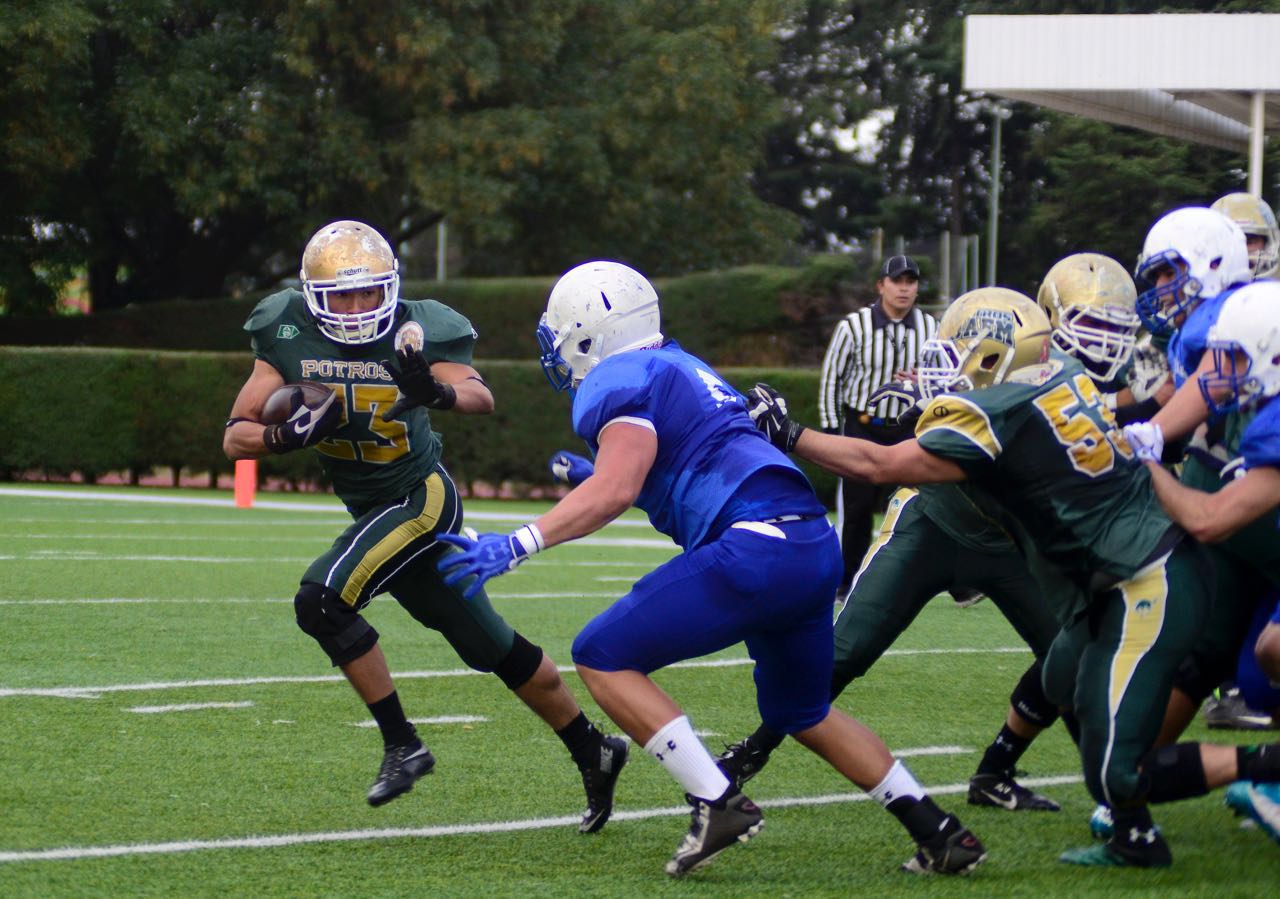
(595, 310)
(1245, 341)
(1207, 253)
(1089, 299)
(343, 256)
(1255, 219)
(985, 335)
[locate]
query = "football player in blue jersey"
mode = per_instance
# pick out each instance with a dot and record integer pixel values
(759, 565)
(1244, 343)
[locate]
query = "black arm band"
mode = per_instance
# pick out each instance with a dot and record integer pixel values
(234, 421)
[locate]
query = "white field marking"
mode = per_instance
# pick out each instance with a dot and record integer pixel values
(229, 503)
(239, 600)
(74, 853)
(438, 719)
(188, 707)
(96, 692)
(931, 750)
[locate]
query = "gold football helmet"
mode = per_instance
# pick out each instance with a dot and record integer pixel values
(1257, 221)
(1089, 299)
(344, 256)
(985, 335)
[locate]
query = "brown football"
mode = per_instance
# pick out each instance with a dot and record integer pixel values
(290, 398)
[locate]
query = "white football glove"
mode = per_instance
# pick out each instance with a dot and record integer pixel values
(1147, 440)
(1150, 369)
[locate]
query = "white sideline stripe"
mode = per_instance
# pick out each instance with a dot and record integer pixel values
(145, 600)
(438, 719)
(932, 750)
(188, 707)
(74, 853)
(229, 503)
(95, 692)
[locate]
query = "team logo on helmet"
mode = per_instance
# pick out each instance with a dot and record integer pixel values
(995, 324)
(410, 337)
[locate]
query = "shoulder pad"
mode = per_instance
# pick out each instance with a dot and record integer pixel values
(442, 324)
(959, 414)
(1035, 375)
(269, 309)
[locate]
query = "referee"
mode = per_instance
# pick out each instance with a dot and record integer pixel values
(870, 347)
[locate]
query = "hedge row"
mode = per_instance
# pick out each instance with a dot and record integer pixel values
(755, 315)
(95, 411)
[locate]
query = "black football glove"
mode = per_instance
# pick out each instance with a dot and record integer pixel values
(306, 426)
(907, 392)
(418, 387)
(768, 410)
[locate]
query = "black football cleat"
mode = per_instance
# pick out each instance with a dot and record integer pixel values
(742, 761)
(1230, 712)
(954, 850)
(599, 781)
(715, 826)
(1002, 791)
(401, 766)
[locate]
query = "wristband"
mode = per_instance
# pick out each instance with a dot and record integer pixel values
(1110, 401)
(530, 539)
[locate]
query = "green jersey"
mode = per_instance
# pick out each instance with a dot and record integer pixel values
(1044, 447)
(369, 460)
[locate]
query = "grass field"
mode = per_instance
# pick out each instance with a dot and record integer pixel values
(165, 729)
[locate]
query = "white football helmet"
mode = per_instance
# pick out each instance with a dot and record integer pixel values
(1255, 219)
(1089, 299)
(349, 255)
(1245, 341)
(1206, 251)
(594, 311)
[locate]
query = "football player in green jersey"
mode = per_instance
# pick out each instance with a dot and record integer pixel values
(377, 446)
(1029, 431)
(942, 537)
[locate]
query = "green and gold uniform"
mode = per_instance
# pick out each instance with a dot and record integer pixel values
(388, 473)
(1043, 446)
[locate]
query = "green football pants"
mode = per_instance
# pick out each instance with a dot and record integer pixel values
(911, 561)
(1116, 663)
(392, 548)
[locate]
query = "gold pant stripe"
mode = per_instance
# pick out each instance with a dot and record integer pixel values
(1145, 598)
(395, 541)
(897, 503)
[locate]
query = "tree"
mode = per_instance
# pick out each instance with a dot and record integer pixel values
(188, 149)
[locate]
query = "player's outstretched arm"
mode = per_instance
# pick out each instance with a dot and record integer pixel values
(1186, 410)
(1211, 517)
(472, 394)
(242, 438)
(861, 460)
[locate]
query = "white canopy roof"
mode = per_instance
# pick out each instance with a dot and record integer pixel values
(1209, 78)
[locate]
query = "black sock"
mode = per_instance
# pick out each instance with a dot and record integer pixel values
(921, 817)
(1137, 839)
(395, 727)
(766, 740)
(582, 740)
(1003, 753)
(1260, 764)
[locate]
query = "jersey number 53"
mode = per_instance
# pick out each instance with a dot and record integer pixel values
(1092, 440)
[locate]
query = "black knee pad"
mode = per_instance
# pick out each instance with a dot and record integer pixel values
(1194, 679)
(1175, 772)
(336, 626)
(1029, 701)
(520, 664)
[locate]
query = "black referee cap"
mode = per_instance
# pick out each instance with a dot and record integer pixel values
(899, 265)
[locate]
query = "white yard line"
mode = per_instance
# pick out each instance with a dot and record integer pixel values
(95, 692)
(188, 707)
(237, 600)
(438, 719)
(74, 853)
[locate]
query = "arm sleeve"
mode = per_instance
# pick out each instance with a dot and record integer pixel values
(616, 393)
(834, 365)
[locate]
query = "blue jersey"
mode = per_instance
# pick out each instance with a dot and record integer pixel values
(713, 467)
(1260, 444)
(1187, 346)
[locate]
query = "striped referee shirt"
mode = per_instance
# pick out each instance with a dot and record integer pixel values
(865, 351)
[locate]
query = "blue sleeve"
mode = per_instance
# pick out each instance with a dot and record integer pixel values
(623, 387)
(1260, 445)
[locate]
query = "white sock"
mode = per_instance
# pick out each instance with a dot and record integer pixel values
(687, 760)
(897, 783)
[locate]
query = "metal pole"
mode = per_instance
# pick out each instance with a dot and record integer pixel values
(974, 266)
(877, 247)
(1257, 132)
(993, 211)
(944, 251)
(442, 250)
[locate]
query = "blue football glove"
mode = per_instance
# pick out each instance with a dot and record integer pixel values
(570, 468)
(487, 556)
